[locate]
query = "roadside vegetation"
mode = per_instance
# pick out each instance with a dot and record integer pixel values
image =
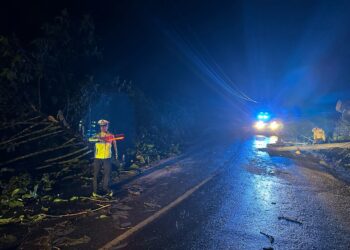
(47, 86)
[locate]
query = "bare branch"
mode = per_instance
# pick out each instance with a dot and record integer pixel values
(38, 153)
(49, 128)
(67, 155)
(39, 137)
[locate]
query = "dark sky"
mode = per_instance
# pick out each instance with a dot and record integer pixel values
(292, 53)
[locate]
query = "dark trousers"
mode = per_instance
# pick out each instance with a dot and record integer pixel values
(98, 164)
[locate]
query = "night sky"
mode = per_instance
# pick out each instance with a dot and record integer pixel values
(289, 53)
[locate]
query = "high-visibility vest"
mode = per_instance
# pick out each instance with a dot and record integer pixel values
(319, 134)
(103, 150)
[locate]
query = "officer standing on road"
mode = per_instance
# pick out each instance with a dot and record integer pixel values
(103, 154)
(319, 135)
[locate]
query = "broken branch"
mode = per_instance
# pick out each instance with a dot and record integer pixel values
(270, 237)
(38, 153)
(39, 137)
(29, 134)
(79, 213)
(74, 159)
(290, 219)
(67, 155)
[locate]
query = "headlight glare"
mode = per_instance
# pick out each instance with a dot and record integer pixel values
(260, 125)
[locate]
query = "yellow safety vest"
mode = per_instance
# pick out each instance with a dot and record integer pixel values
(319, 134)
(103, 150)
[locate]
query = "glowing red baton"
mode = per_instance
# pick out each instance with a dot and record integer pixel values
(117, 137)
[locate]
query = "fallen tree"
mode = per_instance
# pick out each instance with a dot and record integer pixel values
(311, 147)
(40, 157)
(44, 161)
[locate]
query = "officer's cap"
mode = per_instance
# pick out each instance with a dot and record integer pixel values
(103, 122)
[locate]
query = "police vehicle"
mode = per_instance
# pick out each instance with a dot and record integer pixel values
(265, 124)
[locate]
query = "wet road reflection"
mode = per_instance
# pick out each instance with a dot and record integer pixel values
(260, 141)
(248, 198)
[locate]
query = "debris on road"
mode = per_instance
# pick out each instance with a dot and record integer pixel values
(290, 220)
(119, 246)
(122, 207)
(136, 193)
(309, 147)
(61, 229)
(120, 215)
(66, 241)
(125, 225)
(270, 237)
(151, 205)
(135, 190)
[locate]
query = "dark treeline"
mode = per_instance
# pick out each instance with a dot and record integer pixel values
(47, 87)
(57, 72)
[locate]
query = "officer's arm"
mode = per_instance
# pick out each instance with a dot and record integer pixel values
(94, 138)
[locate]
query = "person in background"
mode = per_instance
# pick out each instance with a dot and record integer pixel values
(319, 135)
(103, 154)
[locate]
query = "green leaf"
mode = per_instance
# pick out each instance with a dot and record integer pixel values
(141, 159)
(21, 218)
(134, 166)
(27, 196)
(4, 221)
(59, 200)
(16, 191)
(74, 198)
(38, 217)
(15, 203)
(45, 209)
(46, 198)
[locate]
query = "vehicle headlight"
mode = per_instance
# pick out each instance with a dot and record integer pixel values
(260, 125)
(275, 125)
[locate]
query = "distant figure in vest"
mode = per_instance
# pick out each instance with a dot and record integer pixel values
(103, 154)
(319, 135)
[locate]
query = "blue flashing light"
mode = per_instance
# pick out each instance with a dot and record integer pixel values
(263, 116)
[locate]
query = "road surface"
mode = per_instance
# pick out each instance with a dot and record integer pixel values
(255, 202)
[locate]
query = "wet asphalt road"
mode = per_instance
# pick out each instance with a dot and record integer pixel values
(248, 198)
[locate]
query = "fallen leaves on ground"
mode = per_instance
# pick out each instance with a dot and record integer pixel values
(135, 190)
(119, 246)
(103, 216)
(122, 207)
(59, 200)
(66, 241)
(151, 205)
(120, 215)
(125, 225)
(61, 229)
